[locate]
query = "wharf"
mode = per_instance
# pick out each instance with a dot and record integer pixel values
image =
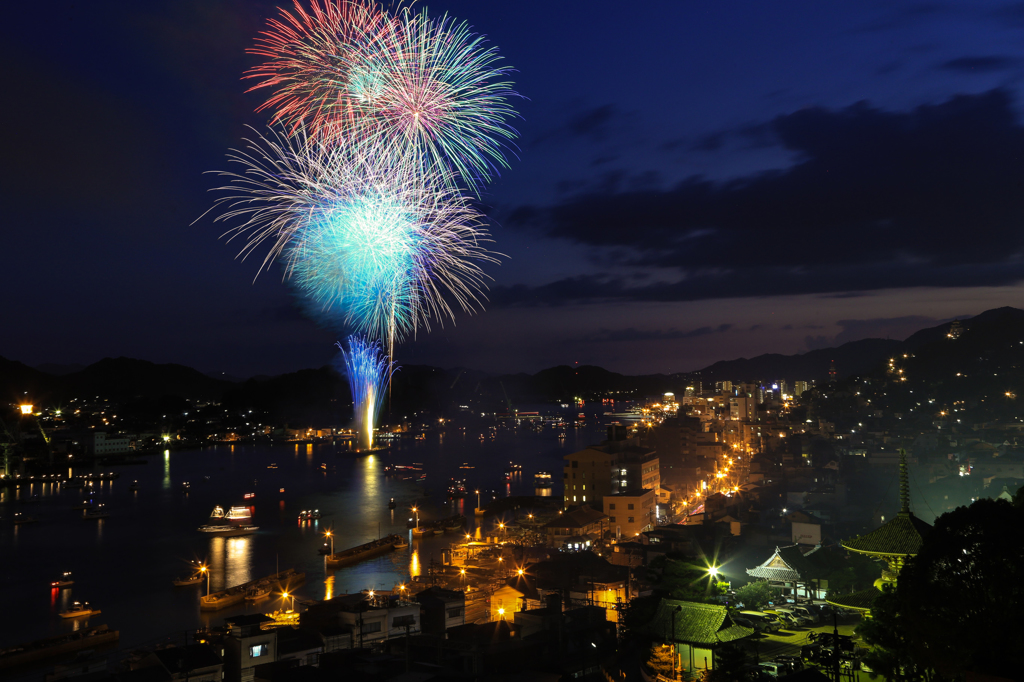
(286, 580)
(41, 649)
(357, 554)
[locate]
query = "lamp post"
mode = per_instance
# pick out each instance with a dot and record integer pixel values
(416, 511)
(477, 499)
(285, 596)
(204, 569)
(501, 613)
(501, 564)
(330, 536)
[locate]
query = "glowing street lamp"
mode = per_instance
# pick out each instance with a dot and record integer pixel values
(26, 408)
(501, 613)
(330, 536)
(477, 499)
(416, 511)
(285, 595)
(203, 569)
(713, 571)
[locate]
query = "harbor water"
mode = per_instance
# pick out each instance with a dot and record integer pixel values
(124, 564)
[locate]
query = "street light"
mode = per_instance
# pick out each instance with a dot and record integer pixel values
(417, 512)
(285, 595)
(501, 613)
(204, 569)
(477, 499)
(330, 536)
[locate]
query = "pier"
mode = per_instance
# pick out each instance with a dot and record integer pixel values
(285, 581)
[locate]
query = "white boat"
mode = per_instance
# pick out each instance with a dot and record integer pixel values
(217, 513)
(79, 610)
(225, 530)
(238, 514)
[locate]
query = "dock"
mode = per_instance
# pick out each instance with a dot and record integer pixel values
(356, 554)
(285, 581)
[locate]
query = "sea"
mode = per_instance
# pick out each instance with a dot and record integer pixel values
(124, 564)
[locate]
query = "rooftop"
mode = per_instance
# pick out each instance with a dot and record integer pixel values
(701, 624)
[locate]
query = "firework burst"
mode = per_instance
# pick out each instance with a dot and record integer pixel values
(368, 372)
(427, 92)
(384, 251)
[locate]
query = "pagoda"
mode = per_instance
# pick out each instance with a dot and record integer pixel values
(896, 541)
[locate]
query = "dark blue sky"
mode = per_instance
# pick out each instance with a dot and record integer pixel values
(697, 181)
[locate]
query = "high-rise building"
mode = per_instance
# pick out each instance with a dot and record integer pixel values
(799, 387)
(599, 470)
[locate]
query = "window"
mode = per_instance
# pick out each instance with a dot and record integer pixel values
(611, 506)
(630, 506)
(584, 498)
(612, 519)
(575, 464)
(257, 650)
(402, 621)
(455, 612)
(584, 486)
(371, 627)
(631, 519)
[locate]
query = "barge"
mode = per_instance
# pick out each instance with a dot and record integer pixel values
(357, 554)
(285, 581)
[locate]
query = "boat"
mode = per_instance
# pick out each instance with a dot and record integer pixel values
(185, 485)
(238, 514)
(457, 488)
(422, 532)
(217, 513)
(134, 486)
(248, 496)
(303, 515)
(452, 523)
(99, 512)
(23, 518)
(272, 465)
(228, 531)
(182, 582)
(285, 581)
(64, 581)
(392, 504)
(258, 592)
(356, 554)
(79, 610)
(83, 505)
(325, 550)
(542, 479)
(401, 543)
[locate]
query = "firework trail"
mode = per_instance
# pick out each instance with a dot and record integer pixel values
(368, 372)
(428, 93)
(382, 250)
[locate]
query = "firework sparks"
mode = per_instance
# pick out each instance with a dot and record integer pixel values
(429, 93)
(385, 251)
(368, 372)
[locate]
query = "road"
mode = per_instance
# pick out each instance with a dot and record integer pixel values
(788, 642)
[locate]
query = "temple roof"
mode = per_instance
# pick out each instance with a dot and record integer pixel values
(700, 624)
(859, 601)
(903, 534)
(788, 564)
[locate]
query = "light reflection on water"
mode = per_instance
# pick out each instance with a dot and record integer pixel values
(230, 562)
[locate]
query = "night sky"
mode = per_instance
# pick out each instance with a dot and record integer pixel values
(696, 181)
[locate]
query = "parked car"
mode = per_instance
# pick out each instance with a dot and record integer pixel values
(756, 626)
(786, 619)
(769, 623)
(795, 663)
(806, 613)
(798, 619)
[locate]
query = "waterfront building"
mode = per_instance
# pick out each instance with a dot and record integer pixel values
(99, 443)
(369, 618)
(591, 474)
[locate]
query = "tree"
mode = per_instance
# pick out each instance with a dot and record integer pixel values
(757, 594)
(685, 581)
(958, 603)
(890, 655)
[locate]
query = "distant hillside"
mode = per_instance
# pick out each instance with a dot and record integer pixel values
(17, 379)
(851, 358)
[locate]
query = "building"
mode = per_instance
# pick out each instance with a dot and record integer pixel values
(799, 387)
(193, 662)
(743, 409)
(246, 646)
(576, 529)
(98, 444)
(441, 609)
(631, 512)
(696, 631)
(896, 541)
(369, 619)
(794, 571)
(591, 474)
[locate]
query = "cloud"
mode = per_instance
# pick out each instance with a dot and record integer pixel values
(631, 334)
(594, 124)
(987, 64)
(876, 200)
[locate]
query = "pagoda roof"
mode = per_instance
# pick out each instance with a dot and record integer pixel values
(788, 564)
(858, 601)
(700, 624)
(902, 535)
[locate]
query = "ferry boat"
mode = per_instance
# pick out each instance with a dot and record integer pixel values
(217, 513)
(309, 515)
(64, 581)
(99, 512)
(542, 479)
(238, 514)
(79, 610)
(227, 531)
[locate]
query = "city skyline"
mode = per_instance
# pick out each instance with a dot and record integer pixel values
(788, 179)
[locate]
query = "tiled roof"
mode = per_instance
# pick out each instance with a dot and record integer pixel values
(706, 624)
(788, 564)
(860, 601)
(577, 518)
(903, 534)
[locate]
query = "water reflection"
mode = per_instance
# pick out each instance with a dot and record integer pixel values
(329, 587)
(414, 564)
(167, 469)
(230, 562)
